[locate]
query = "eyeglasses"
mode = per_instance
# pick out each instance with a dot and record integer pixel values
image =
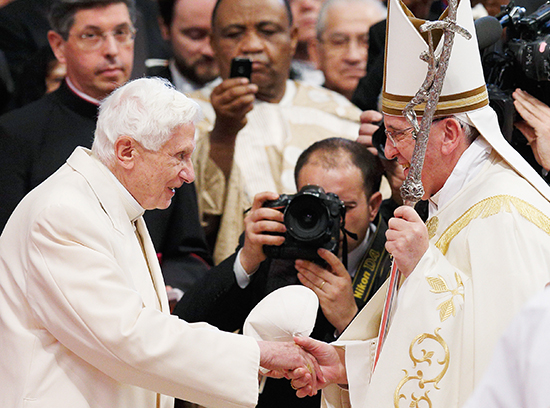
(397, 136)
(92, 40)
(341, 42)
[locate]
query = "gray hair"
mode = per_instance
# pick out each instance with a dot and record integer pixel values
(62, 12)
(470, 131)
(375, 5)
(146, 109)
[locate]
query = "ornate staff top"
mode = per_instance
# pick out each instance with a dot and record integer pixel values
(412, 189)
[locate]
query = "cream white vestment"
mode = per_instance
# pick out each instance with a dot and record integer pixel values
(84, 318)
(488, 254)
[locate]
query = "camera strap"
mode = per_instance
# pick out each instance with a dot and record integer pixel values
(374, 266)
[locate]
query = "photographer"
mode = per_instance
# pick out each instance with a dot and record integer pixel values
(535, 125)
(230, 290)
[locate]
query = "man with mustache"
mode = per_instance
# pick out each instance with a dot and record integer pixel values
(186, 24)
(255, 129)
(95, 39)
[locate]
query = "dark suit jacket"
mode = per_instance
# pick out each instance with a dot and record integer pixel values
(24, 26)
(369, 87)
(37, 139)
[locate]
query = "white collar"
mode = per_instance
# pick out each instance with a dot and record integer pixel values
(135, 209)
(82, 94)
(468, 166)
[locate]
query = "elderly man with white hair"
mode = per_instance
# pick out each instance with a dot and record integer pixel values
(85, 320)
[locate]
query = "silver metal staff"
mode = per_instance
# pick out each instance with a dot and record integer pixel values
(412, 190)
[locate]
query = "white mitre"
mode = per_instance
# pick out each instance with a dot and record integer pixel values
(463, 90)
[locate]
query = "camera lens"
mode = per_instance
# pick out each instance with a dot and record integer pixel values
(306, 218)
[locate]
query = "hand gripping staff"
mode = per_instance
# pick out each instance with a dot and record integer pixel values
(412, 189)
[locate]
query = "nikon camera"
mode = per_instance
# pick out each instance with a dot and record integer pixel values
(313, 220)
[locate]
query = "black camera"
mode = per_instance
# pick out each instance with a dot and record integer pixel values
(521, 61)
(313, 220)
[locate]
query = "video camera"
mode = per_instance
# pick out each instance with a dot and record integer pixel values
(521, 61)
(313, 220)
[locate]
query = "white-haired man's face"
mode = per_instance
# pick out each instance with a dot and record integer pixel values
(156, 175)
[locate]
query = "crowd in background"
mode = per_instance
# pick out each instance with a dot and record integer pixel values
(317, 65)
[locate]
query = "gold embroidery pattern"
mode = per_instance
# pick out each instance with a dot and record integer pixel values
(491, 206)
(431, 381)
(447, 308)
(432, 224)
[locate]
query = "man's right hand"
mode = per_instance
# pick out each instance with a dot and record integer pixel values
(231, 100)
(260, 224)
(331, 361)
(369, 125)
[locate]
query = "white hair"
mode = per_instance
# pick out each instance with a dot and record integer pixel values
(146, 109)
(376, 7)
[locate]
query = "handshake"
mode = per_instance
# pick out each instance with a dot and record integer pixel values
(309, 364)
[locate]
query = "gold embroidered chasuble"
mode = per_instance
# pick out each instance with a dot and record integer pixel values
(488, 254)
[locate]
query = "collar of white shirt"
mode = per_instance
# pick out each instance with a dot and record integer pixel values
(468, 166)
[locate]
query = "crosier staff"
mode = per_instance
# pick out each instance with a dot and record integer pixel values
(412, 190)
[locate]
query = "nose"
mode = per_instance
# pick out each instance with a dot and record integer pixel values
(110, 45)
(251, 43)
(356, 52)
(390, 151)
(206, 48)
(187, 172)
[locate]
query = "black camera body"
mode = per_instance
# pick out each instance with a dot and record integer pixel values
(522, 61)
(313, 220)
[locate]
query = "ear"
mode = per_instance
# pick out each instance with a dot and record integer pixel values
(126, 152)
(57, 43)
(453, 136)
(293, 39)
(375, 201)
(164, 30)
(313, 52)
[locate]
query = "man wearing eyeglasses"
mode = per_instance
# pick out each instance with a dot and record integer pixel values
(468, 270)
(340, 48)
(95, 39)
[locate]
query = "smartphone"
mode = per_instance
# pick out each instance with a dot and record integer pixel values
(241, 67)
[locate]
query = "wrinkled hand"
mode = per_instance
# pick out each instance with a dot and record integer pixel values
(368, 126)
(282, 358)
(331, 361)
(260, 225)
(536, 125)
(332, 286)
(231, 100)
(406, 239)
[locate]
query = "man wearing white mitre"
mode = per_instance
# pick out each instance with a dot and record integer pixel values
(466, 272)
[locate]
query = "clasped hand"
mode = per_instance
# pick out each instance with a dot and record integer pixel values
(309, 364)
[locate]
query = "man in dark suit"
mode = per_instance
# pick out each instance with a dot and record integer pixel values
(24, 27)
(37, 139)
(226, 295)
